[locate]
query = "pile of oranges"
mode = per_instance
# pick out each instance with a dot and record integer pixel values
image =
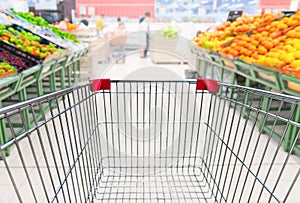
(269, 40)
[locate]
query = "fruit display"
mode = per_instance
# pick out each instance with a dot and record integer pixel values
(26, 42)
(6, 70)
(13, 60)
(64, 35)
(246, 24)
(212, 40)
(30, 17)
(169, 32)
(6, 67)
(271, 41)
(225, 33)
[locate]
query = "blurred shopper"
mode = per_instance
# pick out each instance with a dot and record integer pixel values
(121, 24)
(144, 34)
(121, 29)
(100, 26)
(84, 21)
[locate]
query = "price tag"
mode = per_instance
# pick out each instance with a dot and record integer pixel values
(233, 15)
(288, 13)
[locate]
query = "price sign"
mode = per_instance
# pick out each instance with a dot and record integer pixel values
(288, 13)
(233, 15)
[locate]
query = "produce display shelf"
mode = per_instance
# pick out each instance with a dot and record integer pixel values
(43, 40)
(271, 79)
(55, 74)
(27, 58)
(34, 76)
(8, 87)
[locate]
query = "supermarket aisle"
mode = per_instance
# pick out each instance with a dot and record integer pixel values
(132, 68)
(102, 52)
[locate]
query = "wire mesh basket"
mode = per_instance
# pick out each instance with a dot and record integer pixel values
(151, 141)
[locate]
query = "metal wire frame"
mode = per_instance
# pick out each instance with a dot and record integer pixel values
(153, 141)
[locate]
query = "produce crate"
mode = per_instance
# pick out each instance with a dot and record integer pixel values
(228, 60)
(8, 74)
(26, 58)
(244, 68)
(290, 85)
(166, 50)
(57, 55)
(293, 86)
(54, 56)
(267, 76)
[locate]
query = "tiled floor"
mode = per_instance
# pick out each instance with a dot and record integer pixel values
(135, 68)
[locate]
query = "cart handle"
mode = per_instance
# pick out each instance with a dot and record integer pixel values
(202, 84)
(100, 84)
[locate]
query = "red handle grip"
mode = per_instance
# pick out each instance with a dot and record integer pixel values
(207, 84)
(100, 84)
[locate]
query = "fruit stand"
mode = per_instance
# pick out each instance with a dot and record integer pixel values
(265, 52)
(35, 59)
(166, 41)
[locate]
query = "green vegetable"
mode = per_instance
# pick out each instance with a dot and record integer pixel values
(63, 35)
(43, 23)
(167, 32)
(11, 29)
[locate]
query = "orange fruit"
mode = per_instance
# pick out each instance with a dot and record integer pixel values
(233, 45)
(282, 26)
(255, 42)
(265, 33)
(296, 45)
(285, 19)
(227, 24)
(289, 58)
(243, 43)
(255, 55)
(262, 50)
(295, 64)
(238, 48)
(268, 27)
(275, 42)
(291, 34)
(269, 44)
(291, 22)
(234, 53)
(275, 23)
(248, 53)
(226, 50)
(252, 48)
(243, 51)
(257, 37)
(287, 47)
(297, 55)
(273, 54)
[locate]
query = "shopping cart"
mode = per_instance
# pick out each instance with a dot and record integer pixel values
(150, 141)
(117, 43)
